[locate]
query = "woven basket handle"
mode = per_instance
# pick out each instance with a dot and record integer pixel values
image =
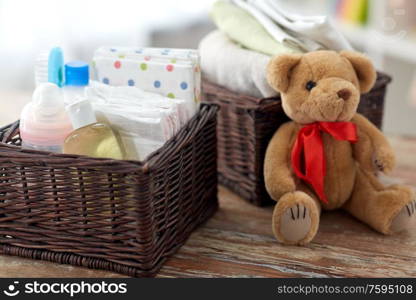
(7, 132)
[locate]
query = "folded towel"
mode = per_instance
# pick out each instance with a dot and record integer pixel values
(317, 28)
(240, 70)
(174, 73)
(243, 28)
(276, 31)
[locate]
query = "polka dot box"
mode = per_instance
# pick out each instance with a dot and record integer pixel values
(174, 73)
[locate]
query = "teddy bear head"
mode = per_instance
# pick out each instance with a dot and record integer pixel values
(321, 86)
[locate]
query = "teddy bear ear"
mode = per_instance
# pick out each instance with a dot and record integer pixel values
(364, 69)
(279, 70)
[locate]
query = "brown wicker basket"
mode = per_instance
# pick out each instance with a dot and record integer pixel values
(116, 215)
(245, 126)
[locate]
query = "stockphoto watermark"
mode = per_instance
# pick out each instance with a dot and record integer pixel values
(63, 288)
(388, 30)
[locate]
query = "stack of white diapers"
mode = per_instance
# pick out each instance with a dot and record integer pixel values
(145, 94)
(142, 121)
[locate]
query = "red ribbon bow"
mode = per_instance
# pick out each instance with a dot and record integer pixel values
(308, 157)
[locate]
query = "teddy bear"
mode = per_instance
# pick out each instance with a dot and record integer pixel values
(328, 156)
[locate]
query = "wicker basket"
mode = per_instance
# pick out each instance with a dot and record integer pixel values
(245, 126)
(116, 215)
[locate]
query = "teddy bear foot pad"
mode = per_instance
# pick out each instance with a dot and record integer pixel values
(295, 218)
(406, 216)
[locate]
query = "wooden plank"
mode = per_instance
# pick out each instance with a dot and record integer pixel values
(241, 245)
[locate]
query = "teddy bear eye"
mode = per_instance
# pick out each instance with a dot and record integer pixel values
(310, 85)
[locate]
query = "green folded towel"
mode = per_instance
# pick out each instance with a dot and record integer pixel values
(244, 29)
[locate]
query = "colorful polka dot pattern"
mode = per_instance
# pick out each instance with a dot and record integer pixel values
(157, 83)
(171, 88)
(169, 68)
(184, 85)
(143, 66)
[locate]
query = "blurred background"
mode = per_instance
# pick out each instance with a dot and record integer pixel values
(384, 29)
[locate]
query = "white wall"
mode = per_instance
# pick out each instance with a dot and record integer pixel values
(28, 27)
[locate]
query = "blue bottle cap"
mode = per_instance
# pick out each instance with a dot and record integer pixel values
(77, 73)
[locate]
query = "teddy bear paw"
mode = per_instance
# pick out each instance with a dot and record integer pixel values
(295, 223)
(295, 219)
(405, 218)
(384, 161)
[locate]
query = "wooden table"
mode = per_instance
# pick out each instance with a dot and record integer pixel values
(238, 242)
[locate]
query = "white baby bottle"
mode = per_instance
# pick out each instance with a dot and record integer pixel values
(44, 123)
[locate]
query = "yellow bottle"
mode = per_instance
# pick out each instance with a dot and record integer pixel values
(90, 137)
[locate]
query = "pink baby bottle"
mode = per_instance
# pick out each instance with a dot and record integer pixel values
(44, 123)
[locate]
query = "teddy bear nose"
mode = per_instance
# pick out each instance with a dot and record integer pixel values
(344, 94)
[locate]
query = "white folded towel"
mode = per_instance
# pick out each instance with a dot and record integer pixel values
(319, 29)
(240, 70)
(276, 31)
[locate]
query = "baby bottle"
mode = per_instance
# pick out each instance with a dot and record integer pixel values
(44, 123)
(90, 137)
